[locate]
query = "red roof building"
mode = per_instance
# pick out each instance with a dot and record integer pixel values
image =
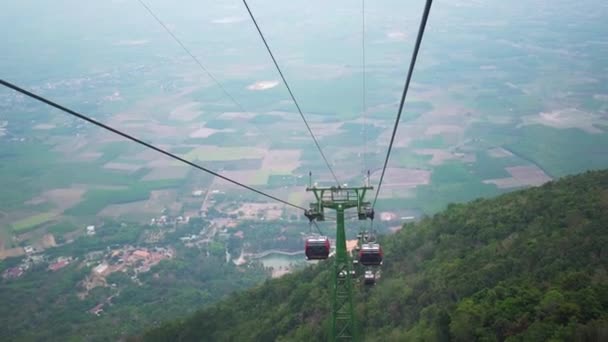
(58, 265)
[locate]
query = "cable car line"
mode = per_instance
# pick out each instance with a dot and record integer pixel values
(196, 60)
(141, 142)
(276, 64)
(317, 226)
(425, 16)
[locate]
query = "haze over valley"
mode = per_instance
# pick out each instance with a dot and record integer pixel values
(505, 96)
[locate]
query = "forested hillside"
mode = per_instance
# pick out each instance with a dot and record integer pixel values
(526, 266)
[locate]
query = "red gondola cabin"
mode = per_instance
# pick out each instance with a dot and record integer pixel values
(317, 248)
(370, 254)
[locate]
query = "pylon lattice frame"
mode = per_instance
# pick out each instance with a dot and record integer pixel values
(340, 199)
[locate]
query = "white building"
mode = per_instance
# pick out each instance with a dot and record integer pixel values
(90, 230)
(99, 269)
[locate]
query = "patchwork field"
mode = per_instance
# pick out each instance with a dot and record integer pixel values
(215, 153)
(186, 112)
(477, 122)
(31, 222)
(169, 172)
(521, 176)
(281, 161)
(145, 209)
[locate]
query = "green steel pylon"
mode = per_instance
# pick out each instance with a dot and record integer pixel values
(343, 324)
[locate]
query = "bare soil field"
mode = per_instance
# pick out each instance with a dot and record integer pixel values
(88, 156)
(322, 129)
(44, 126)
(439, 155)
(530, 175)
(263, 85)
(11, 252)
(203, 132)
(148, 155)
(521, 176)
(47, 241)
(441, 129)
(121, 166)
(186, 112)
(409, 178)
(237, 116)
(69, 145)
(62, 199)
(499, 152)
(281, 161)
(567, 118)
(152, 128)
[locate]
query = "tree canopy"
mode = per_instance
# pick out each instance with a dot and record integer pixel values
(526, 266)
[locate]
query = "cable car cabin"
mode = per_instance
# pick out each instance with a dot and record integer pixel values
(370, 254)
(369, 278)
(317, 248)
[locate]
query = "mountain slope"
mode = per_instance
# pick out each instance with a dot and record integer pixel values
(526, 266)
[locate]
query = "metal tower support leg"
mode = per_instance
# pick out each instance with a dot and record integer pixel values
(343, 318)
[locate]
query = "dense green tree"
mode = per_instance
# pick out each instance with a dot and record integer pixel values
(526, 266)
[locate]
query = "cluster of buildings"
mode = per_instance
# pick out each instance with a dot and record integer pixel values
(166, 220)
(139, 260)
(59, 263)
(27, 263)
(128, 259)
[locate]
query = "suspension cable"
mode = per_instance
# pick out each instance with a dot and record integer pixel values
(425, 16)
(317, 226)
(196, 60)
(276, 64)
(141, 142)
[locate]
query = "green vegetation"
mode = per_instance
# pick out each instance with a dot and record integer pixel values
(32, 222)
(487, 167)
(43, 305)
(62, 228)
(436, 141)
(561, 151)
(452, 182)
(97, 199)
(113, 150)
(526, 266)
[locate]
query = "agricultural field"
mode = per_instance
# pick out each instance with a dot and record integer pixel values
(32, 222)
(478, 121)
